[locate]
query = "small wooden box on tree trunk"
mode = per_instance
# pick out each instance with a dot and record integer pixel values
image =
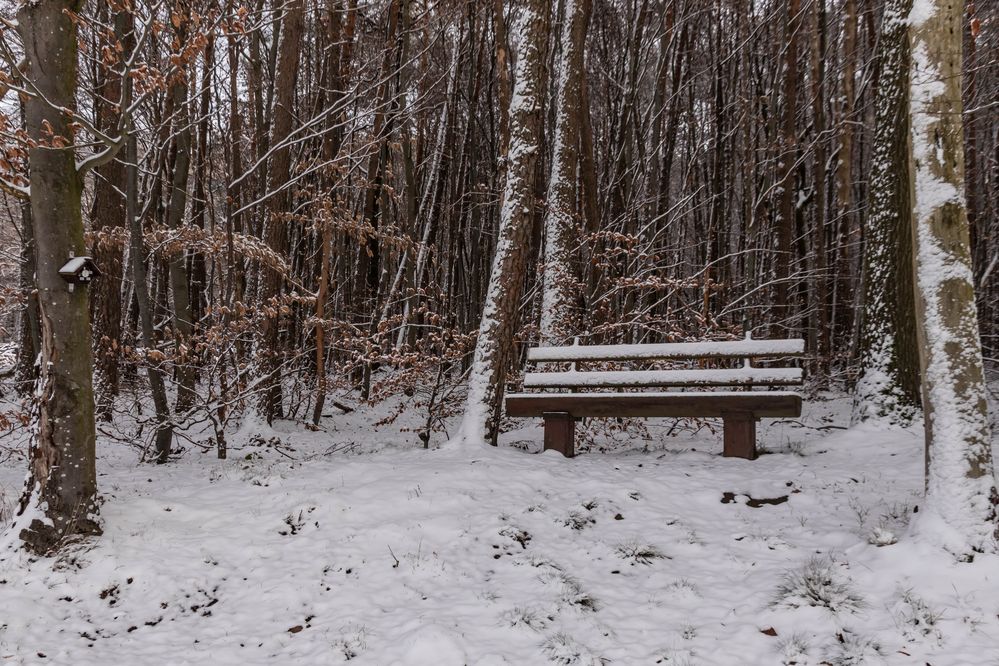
(79, 270)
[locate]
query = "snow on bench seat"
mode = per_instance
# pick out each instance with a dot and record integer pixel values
(640, 378)
(668, 350)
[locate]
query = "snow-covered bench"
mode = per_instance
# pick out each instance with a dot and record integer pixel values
(569, 395)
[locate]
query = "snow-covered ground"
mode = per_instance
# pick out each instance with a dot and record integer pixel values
(351, 545)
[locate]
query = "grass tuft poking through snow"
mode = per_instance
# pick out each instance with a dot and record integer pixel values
(916, 618)
(794, 649)
(852, 649)
(563, 649)
(820, 583)
(640, 553)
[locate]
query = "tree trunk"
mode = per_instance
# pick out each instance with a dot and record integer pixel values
(785, 167)
(26, 373)
(137, 259)
(888, 388)
(275, 227)
(961, 493)
(506, 281)
(61, 489)
(183, 319)
(820, 323)
(845, 286)
(108, 213)
(559, 311)
(502, 75)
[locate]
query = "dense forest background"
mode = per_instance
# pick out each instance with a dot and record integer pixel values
(308, 196)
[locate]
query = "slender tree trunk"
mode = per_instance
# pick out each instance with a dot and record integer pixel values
(844, 177)
(137, 259)
(559, 310)
(26, 373)
(202, 208)
(60, 497)
(961, 493)
(785, 176)
(820, 325)
(502, 75)
(183, 318)
(277, 204)
(108, 215)
(499, 316)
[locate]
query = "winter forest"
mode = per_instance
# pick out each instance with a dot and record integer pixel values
(483, 332)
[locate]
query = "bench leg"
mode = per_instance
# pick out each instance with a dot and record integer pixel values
(560, 433)
(740, 435)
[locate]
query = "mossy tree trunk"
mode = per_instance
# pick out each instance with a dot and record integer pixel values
(960, 485)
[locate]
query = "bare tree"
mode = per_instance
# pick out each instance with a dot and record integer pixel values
(499, 316)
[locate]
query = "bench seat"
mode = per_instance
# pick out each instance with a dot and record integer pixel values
(672, 404)
(664, 378)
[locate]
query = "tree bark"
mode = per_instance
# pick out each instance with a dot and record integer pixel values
(820, 323)
(888, 388)
(26, 373)
(60, 498)
(559, 309)
(961, 493)
(506, 281)
(502, 75)
(137, 260)
(108, 213)
(183, 318)
(845, 287)
(785, 167)
(275, 231)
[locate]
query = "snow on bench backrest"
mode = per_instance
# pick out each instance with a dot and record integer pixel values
(641, 378)
(668, 350)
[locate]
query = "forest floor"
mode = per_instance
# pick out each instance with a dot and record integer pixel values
(351, 545)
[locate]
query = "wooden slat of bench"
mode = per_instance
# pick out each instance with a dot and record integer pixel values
(662, 378)
(716, 404)
(669, 350)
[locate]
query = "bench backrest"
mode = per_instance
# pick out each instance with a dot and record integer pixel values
(673, 351)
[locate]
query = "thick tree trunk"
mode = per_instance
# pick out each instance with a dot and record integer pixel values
(499, 316)
(61, 490)
(888, 388)
(961, 493)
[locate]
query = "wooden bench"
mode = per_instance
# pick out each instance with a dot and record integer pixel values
(738, 409)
